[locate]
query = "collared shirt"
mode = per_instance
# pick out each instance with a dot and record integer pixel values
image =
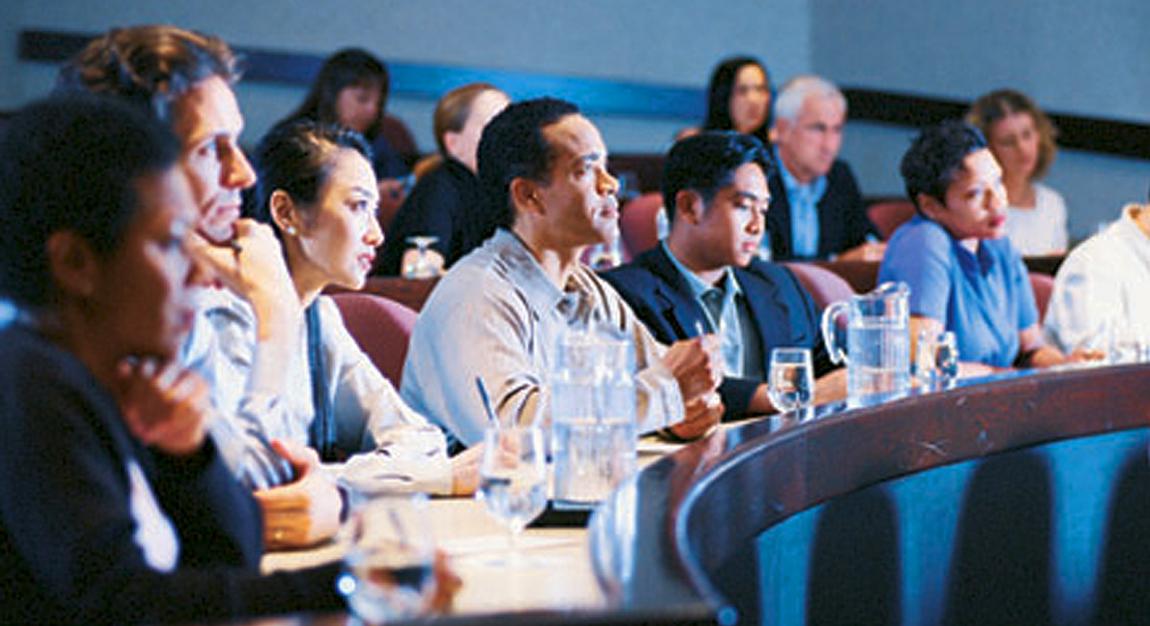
(369, 414)
(727, 324)
(985, 298)
(496, 316)
(1103, 287)
(804, 202)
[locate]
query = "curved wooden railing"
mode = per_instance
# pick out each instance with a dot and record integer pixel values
(697, 510)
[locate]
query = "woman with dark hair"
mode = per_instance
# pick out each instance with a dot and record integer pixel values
(445, 203)
(351, 90)
(317, 191)
(964, 276)
(739, 98)
(1021, 138)
(115, 505)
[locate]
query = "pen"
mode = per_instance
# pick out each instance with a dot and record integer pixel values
(486, 400)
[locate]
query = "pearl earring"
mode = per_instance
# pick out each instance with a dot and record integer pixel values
(290, 230)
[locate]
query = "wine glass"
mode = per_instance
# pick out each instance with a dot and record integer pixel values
(422, 267)
(513, 477)
(389, 565)
(791, 381)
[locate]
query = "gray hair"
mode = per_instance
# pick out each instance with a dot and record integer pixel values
(796, 91)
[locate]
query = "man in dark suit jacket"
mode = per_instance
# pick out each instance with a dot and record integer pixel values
(816, 208)
(706, 276)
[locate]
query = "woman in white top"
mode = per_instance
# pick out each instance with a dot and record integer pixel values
(318, 191)
(1021, 138)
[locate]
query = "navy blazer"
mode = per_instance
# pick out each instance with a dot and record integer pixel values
(784, 313)
(843, 223)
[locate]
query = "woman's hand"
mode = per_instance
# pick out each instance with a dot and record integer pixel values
(465, 471)
(302, 513)
(164, 405)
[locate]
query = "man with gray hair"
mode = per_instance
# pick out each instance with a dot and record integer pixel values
(817, 211)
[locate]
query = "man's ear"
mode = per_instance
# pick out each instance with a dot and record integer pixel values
(779, 129)
(689, 206)
(525, 196)
(930, 206)
(283, 212)
(73, 264)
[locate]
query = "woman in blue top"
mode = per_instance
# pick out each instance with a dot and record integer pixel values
(964, 275)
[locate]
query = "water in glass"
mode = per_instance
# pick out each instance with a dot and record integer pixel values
(388, 571)
(513, 475)
(593, 429)
(791, 382)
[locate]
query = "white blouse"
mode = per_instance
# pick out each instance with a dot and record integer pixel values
(369, 414)
(1041, 230)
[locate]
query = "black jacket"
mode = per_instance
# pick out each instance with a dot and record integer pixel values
(843, 223)
(68, 552)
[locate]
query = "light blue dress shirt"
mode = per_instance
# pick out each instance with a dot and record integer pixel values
(497, 316)
(804, 203)
(728, 326)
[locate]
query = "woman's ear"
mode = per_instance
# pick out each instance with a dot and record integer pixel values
(451, 144)
(930, 206)
(73, 264)
(283, 212)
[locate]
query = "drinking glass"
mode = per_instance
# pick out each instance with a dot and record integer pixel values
(388, 570)
(791, 379)
(422, 267)
(936, 360)
(513, 477)
(946, 358)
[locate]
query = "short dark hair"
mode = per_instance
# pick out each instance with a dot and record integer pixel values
(71, 164)
(350, 67)
(513, 146)
(935, 157)
(297, 158)
(149, 66)
(707, 162)
(719, 93)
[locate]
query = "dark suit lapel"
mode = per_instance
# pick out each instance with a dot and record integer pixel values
(676, 304)
(769, 311)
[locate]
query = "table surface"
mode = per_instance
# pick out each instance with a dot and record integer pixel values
(554, 572)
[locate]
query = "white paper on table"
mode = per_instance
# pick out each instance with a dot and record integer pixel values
(654, 445)
(463, 546)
